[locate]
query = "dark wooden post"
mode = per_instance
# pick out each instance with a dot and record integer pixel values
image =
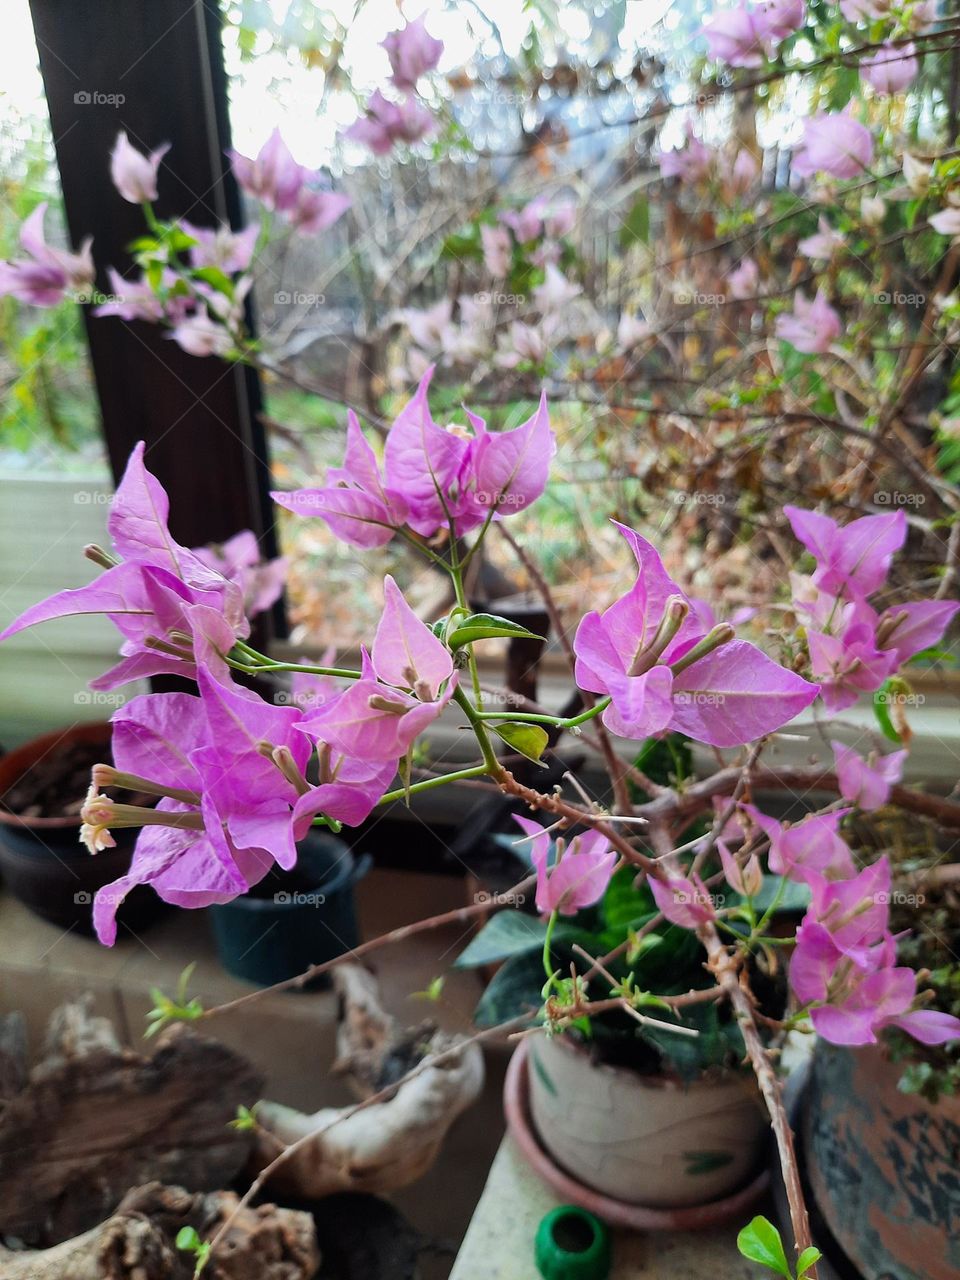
(156, 70)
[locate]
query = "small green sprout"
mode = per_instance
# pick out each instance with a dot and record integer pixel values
(177, 1009)
(431, 993)
(188, 1241)
(760, 1242)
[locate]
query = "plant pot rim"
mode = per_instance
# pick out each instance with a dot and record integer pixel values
(709, 1079)
(620, 1213)
(21, 758)
(349, 870)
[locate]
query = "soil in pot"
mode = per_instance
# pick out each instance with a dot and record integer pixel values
(883, 1165)
(42, 862)
(650, 1140)
(293, 919)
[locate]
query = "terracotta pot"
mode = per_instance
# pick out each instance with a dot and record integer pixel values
(883, 1166)
(648, 1140)
(42, 861)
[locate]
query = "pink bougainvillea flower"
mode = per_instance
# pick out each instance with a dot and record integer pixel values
(286, 187)
(812, 326)
(892, 69)
(239, 560)
(134, 174)
(683, 900)
(849, 664)
(946, 221)
(131, 299)
(150, 592)
(744, 172)
(834, 143)
(405, 684)
(690, 163)
(556, 291)
(496, 250)
(867, 783)
(412, 52)
(199, 335)
(231, 251)
(781, 18)
(352, 792)
(44, 278)
(813, 845)
(744, 280)
(730, 694)
(853, 558)
(737, 36)
(823, 244)
(386, 123)
(856, 911)
(355, 502)
(910, 628)
(314, 209)
(526, 223)
(746, 879)
(273, 176)
(855, 999)
(454, 475)
(233, 803)
(580, 875)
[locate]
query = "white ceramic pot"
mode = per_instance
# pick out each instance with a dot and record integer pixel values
(644, 1139)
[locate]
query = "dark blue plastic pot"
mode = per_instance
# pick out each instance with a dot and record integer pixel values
(293, 919)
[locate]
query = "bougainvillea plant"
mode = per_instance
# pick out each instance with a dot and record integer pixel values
(239, 779)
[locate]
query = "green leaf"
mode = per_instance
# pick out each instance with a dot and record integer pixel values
(636, 225)
(487, 626)
(809, 1258)
(881, 709)
(188, 1240)
(216, 279)
(432, 992)
(760, 1242)
(511, 933)
(528, 740)
(514, 989)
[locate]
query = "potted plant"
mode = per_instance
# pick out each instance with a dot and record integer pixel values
(293, 919)
(881, 1122)
(652, 1112)
(42, 862)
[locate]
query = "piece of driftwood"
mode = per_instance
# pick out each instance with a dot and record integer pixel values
(392, 1142)
(138, 1242)
(92, 1119)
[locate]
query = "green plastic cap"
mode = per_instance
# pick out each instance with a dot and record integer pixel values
(572, 1244)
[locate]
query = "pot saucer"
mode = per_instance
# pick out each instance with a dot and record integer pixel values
(619, 1213)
